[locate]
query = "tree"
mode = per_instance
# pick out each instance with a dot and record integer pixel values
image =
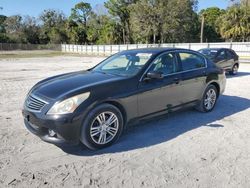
(3, 37)
(13, 27)
(245, 3)
(211, 33)
(30, 30)
(80, 13)
(2, 19)
(53, 27)
(77, 24)
(235, 23)
(162, 21)
(120, 9)
(147, 18)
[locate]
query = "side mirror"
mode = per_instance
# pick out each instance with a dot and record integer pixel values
(154, 75)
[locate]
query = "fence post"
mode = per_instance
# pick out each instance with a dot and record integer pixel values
(127, 46)
(111, 48)
(119, 48)
(189, 46)
(231, 45)
(104, 49)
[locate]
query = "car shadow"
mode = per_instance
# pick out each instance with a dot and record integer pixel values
(239, 74)
(163, 129)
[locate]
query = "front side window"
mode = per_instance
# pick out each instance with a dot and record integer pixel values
(165, 64)
(191, 61)
(128, 64)
(211, 53)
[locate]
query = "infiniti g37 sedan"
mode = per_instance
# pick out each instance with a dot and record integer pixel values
(94, 106)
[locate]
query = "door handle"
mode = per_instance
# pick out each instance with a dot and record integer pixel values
(176, 80)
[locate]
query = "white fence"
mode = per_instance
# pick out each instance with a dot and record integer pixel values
(241, 48)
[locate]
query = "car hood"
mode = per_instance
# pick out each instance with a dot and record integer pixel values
(60, 85)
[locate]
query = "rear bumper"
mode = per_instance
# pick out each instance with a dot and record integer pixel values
(66, 128)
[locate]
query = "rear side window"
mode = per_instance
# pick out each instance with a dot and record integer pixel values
(191, 61)
(222, 55)
(230, 55)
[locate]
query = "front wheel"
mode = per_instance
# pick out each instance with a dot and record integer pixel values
(209, 99)
(102, 127)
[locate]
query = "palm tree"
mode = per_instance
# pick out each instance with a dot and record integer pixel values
(235, 23)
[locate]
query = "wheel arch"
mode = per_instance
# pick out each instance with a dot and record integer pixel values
(117, 105)
(217, 86)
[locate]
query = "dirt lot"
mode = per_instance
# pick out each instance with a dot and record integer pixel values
(186, 149)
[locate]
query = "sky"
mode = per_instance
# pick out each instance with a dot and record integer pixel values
(35, 7)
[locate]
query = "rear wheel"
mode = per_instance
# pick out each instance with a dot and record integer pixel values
(102, 127)
(234, 70)
(209, 99)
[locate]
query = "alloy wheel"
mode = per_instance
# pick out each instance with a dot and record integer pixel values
(104, 128)
(235, 69)
(210, 99)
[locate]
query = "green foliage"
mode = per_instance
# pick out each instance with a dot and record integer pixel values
(53, 27)
(120, 9)
(130, 21)
(162, 21)
(77, 23)
(211, 28)
(234, 25)
(80, 13)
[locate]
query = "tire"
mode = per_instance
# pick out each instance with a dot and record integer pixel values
(234, 70)
(204, 103)
(97, 124)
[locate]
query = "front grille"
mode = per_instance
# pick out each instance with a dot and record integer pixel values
(34, 103)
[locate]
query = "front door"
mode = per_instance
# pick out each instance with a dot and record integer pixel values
(160, 94)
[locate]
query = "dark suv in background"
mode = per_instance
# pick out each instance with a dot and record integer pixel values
(224, 58)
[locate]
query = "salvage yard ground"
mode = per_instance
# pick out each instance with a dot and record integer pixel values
(185, 149)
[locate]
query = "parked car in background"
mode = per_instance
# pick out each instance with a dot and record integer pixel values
(224, 58)
(95, 105)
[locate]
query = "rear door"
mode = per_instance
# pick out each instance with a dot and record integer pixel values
(221, 59)
(231, 59)
(193, 75)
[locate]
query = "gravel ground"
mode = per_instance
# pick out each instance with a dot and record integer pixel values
(185, 149)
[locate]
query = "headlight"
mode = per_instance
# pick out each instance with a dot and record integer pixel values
(68, 105)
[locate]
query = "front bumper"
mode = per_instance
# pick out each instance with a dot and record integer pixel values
(66, 127)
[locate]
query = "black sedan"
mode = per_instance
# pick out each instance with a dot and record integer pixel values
(94, 106)
(224, 58)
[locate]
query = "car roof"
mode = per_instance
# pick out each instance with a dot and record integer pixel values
(215, 49)
(155, 50)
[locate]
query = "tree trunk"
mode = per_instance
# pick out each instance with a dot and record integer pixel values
(123, 36)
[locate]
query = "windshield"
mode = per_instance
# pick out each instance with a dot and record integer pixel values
(209, 52)
(128, 64)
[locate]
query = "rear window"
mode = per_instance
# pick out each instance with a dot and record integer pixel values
(191, 61)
